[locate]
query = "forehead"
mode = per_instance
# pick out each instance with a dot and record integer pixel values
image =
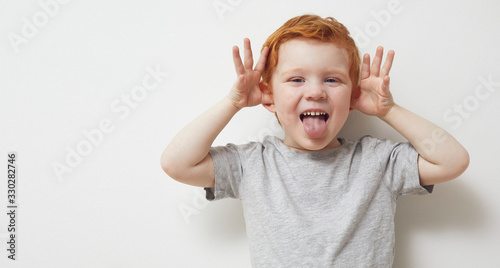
(311, 53)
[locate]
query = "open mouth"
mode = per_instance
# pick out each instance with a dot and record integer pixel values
(319, 115)
(314, 123)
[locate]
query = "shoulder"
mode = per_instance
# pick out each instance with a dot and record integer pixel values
(365, 143)
(369, 140)
(379, 148)
(249, 148)
(379, 145)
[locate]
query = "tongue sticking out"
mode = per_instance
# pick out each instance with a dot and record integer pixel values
(314, 126)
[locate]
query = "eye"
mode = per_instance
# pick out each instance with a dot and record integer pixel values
(331, 80)
(297, 80)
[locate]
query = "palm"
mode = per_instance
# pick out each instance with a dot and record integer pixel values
(374, 96)
(250, 90)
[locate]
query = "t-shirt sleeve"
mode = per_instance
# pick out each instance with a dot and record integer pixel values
(228, 172)
(399, 167)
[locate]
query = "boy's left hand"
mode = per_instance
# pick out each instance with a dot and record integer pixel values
(372, 96)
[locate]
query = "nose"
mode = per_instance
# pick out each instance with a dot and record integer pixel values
(315, 91)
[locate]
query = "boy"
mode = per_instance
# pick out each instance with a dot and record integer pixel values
(312, 199)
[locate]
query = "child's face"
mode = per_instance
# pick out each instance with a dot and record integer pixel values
(311, 76)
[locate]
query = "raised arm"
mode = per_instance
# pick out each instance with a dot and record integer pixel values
(441, 156)
(186, 158)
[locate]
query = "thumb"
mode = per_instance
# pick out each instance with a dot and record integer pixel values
(236, 93)
(385, 85)
(239, 84)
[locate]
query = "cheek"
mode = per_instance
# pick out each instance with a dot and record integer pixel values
(286, 113)
(285, 100)
(342, 99)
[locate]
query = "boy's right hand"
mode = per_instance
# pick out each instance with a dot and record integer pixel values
(245, 91)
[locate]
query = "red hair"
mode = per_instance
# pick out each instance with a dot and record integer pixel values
(311, 26)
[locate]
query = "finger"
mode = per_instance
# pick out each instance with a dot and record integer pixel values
(388, 63)
(238, 65)
(377, 60)
(261, 64)
(365, 68)
(248, 54)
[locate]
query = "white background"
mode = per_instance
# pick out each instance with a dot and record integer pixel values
(114, 207)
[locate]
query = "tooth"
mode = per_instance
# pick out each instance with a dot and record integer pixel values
(317, 113)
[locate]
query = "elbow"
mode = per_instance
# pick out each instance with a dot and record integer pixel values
(168, 165)
(460, 164)
(165, 165)
(455, 165)
(464, 161)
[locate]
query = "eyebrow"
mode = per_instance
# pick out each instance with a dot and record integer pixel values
(330, 70)
(291, 71)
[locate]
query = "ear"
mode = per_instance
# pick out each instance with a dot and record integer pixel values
(356, 92)
(267, 99)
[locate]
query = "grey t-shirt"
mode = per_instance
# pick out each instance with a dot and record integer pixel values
(321, 209)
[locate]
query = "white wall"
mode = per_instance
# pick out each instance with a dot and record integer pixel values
(112, 206)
